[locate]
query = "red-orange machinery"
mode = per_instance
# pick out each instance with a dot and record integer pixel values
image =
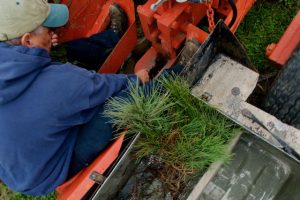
(88, 17)
(167, 23)
(79, 185)
(279, 53)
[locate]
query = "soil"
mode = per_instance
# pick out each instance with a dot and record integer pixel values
(152, 180)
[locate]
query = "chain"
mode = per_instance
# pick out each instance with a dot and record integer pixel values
(210, 17)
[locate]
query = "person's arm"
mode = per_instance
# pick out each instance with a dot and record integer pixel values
(87, 89)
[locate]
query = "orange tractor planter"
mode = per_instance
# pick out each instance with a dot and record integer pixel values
(167, 23)
(89, 17)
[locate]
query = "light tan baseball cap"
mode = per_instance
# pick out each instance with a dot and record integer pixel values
(18, 17)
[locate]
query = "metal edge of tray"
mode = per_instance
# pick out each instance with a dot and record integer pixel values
(122, 169)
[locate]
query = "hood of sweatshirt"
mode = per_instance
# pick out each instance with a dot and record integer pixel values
(19, 66)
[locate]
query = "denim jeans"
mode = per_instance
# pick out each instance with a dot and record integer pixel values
(94, 136)
(90, 53)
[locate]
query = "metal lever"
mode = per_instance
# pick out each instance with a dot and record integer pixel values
(247, 113)
(154, 6)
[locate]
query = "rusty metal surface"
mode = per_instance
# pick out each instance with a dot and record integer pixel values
(225, 93)
(226, 77)
(226, 86)
(220, 41)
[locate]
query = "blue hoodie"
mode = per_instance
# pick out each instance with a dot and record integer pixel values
(41, 105)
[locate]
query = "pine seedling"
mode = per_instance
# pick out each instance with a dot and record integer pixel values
(185, 133)
(140, 112)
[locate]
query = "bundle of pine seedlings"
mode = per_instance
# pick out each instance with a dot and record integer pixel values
(185, 134)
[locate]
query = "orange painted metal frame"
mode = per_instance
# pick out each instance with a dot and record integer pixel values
(280, 53)
(173, 22)
(88, 17)
(80, 184)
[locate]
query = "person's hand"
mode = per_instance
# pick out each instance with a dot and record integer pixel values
(54, 39)
(143, 75)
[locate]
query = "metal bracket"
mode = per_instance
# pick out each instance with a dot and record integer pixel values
(97, 177)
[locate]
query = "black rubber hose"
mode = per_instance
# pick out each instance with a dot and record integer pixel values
(234, 11)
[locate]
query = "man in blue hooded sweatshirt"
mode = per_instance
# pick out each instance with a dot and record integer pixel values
(49, 122)
(45, 105)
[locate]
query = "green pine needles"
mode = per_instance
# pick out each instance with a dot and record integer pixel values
(184, 132)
